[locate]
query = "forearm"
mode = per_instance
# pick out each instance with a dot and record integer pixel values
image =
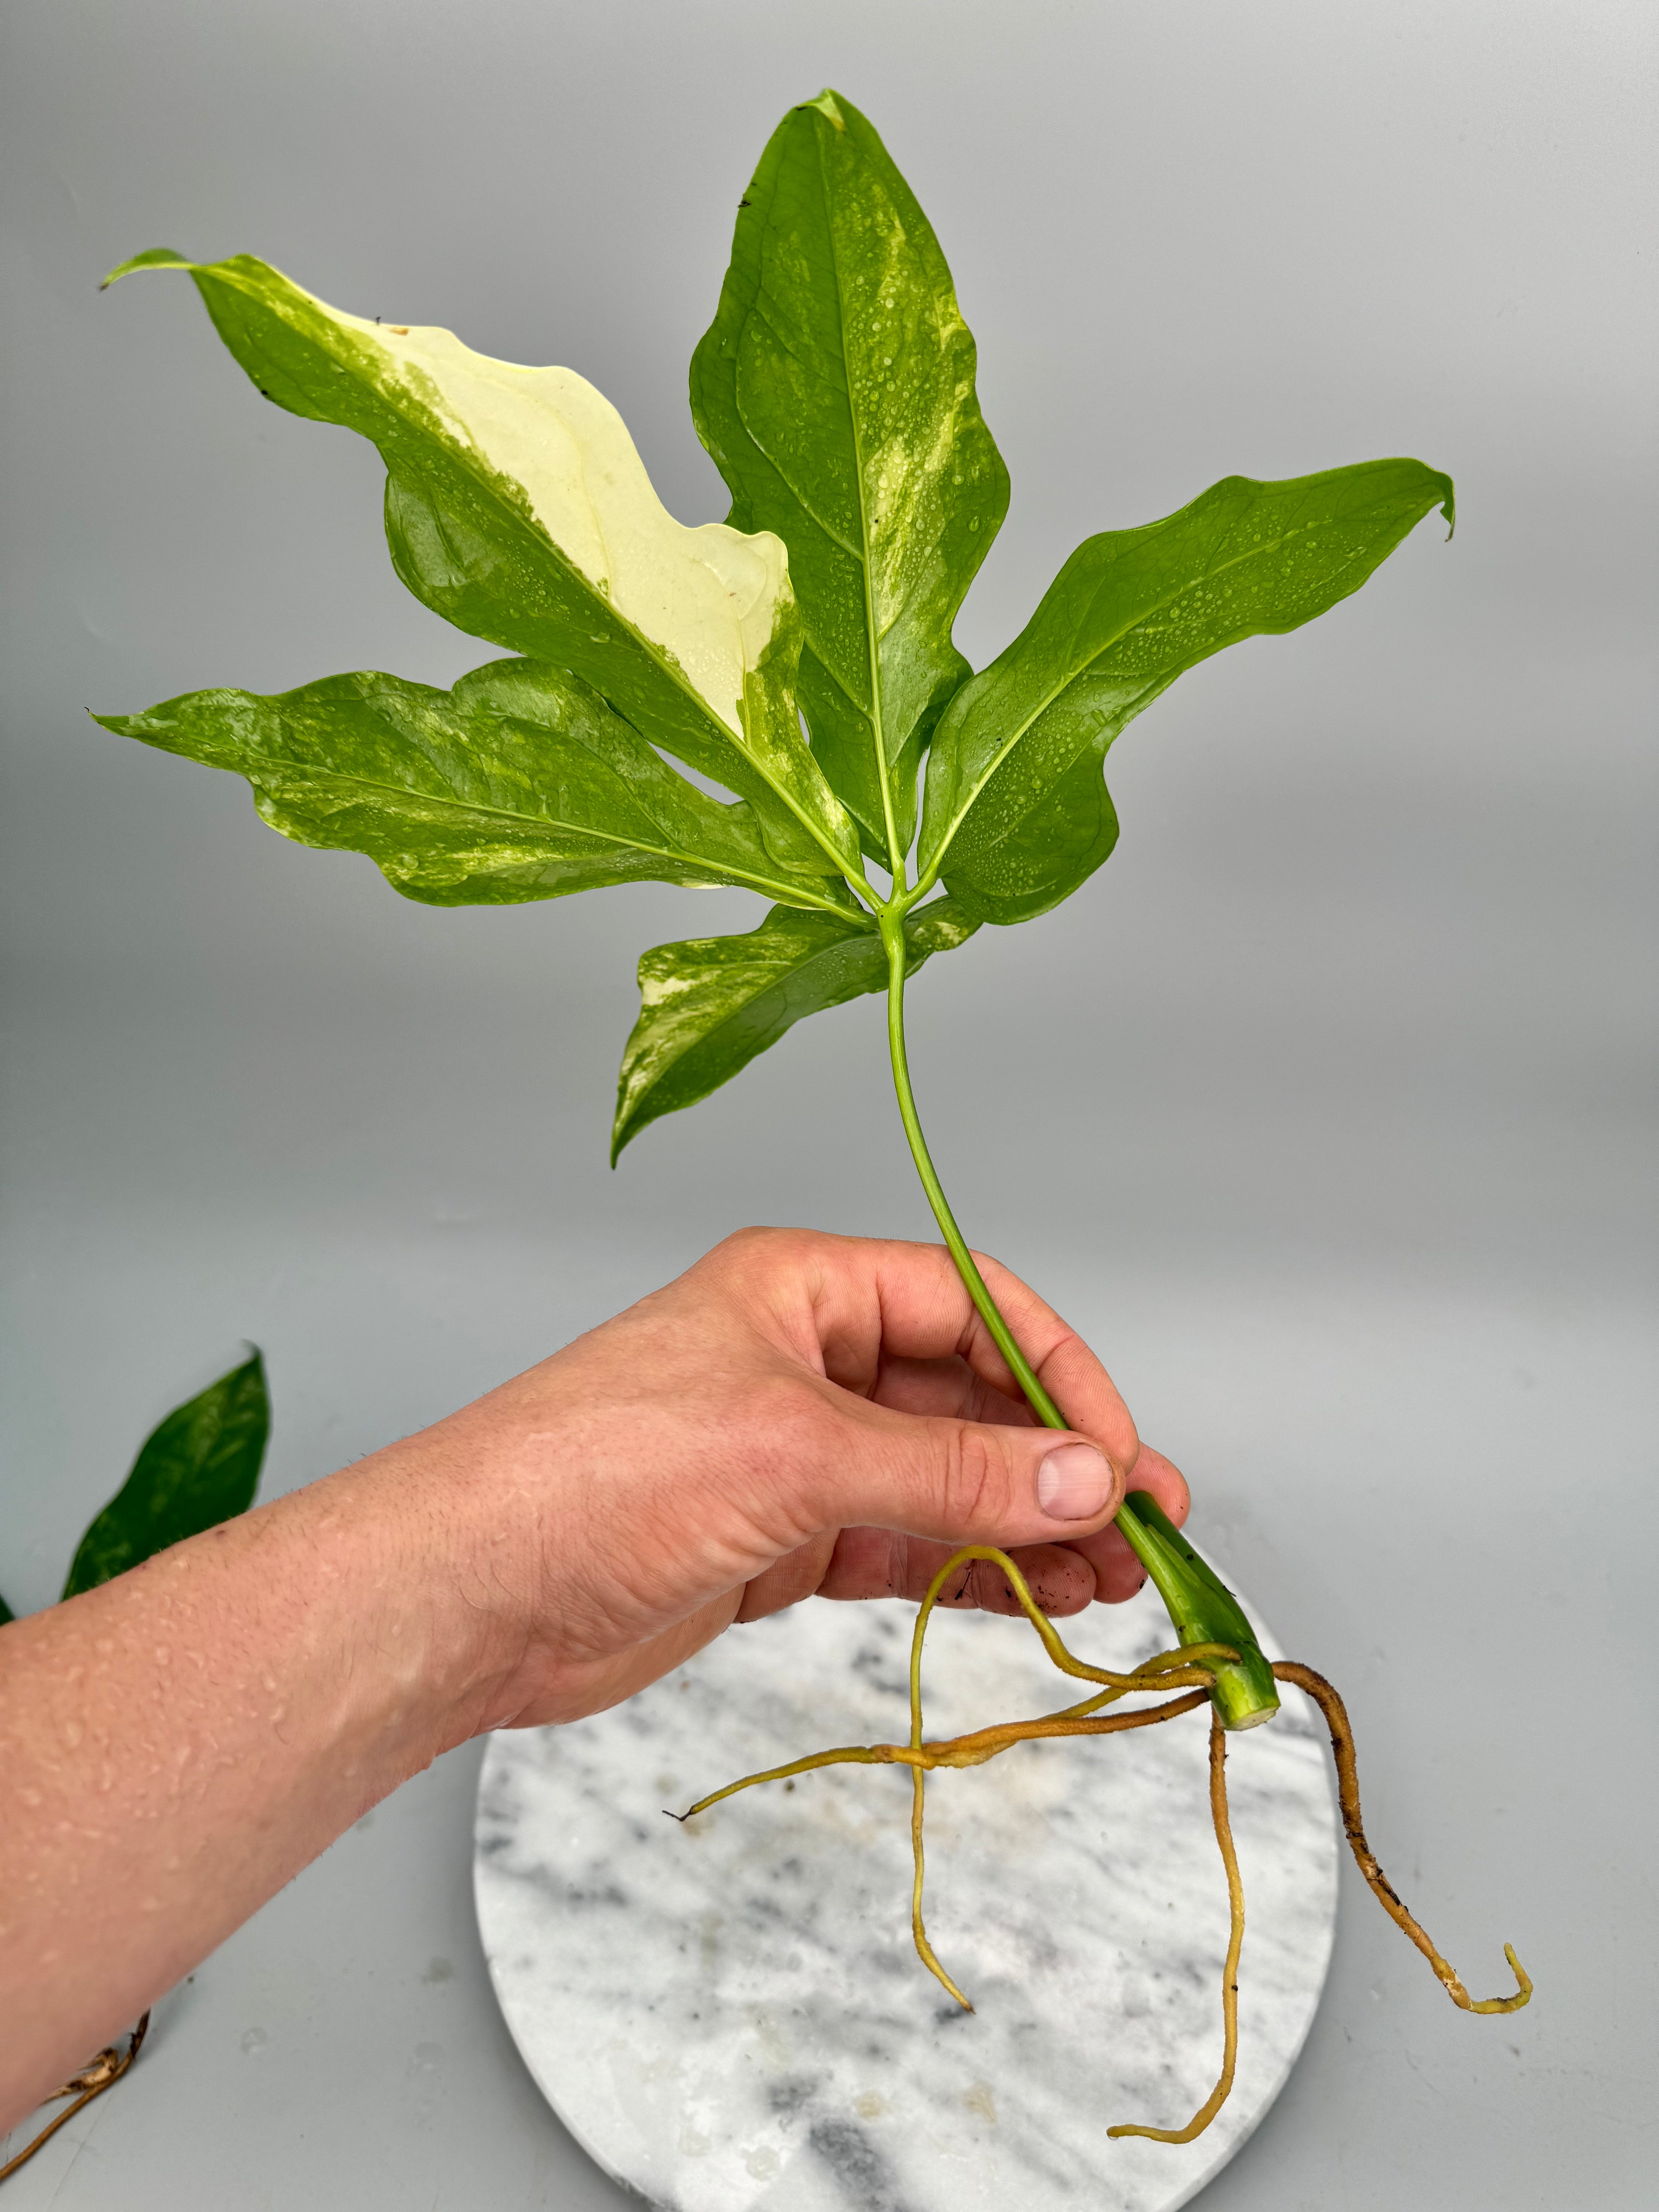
(797, 1411)
(175, 1745)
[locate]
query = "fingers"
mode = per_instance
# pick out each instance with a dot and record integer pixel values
(1064, 1577)
(1118, 1574)
(861, 1311)
(869, 1563)
(955, 1481)
(948, 1386)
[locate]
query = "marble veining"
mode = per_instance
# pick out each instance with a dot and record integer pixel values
(729, 2014)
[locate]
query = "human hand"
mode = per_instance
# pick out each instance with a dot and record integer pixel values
(798, 1414)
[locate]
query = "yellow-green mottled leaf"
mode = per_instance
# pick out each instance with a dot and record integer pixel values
(518, 784)
(709, 1005)
(835, 391)
(518, 507)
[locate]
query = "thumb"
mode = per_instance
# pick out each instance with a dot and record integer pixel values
(973, 1482)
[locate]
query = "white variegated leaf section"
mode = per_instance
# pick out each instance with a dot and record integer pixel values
(711, 598)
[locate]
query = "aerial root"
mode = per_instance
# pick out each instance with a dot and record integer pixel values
(1224, 1835)
(1325, 1696)
(105, 2070)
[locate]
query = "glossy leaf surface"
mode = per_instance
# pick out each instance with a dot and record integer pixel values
(710, 1005)
(518, 784)
(1016, 815)
(199, 1468)
(835, 391)
(518, 509)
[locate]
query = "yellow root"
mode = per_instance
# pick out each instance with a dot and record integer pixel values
(1168, 1670)
(1187, 1670)
(1325, 1696)
(1224, 1835)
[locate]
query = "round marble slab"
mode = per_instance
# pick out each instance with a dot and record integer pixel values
(729, 2015)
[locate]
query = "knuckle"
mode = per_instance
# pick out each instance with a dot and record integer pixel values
(760, 1247)
(745, 1243)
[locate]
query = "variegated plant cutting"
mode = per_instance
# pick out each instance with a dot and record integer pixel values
(835, 391)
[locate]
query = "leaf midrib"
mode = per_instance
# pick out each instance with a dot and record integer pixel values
(873, 643)
(786, 893)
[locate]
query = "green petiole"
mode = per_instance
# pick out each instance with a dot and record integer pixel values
(1201, 1608)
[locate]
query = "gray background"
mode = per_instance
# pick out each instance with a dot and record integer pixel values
(1321, 1111)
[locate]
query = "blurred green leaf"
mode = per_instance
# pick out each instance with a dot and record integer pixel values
(518, 509)
(518, 784)
(835, 391)
(709, 1005)
(6, 1612)
(199, 1468)
(1016, 815)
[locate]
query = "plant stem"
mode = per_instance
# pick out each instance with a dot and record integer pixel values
(1042, 1404)
(1202, 1608)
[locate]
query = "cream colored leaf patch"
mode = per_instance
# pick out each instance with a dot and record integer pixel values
(518, 507)
(710, 596)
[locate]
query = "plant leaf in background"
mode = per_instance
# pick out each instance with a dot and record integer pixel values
(199, 1468)
(835, 391)
(518, 784)
(709, 1005)
(1015, 815)
(518, 509)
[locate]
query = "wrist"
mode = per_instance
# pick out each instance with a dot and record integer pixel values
(432, 1578)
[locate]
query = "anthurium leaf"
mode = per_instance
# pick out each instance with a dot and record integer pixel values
(710, 1003)
(518, 509)
(518, 784)
(835, 391)
(199, 1468)
(1015, 815)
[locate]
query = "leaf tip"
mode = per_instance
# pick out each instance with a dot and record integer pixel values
(155, 257)
(828, 106)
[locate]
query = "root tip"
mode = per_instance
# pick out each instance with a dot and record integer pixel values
(1522, 1988)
